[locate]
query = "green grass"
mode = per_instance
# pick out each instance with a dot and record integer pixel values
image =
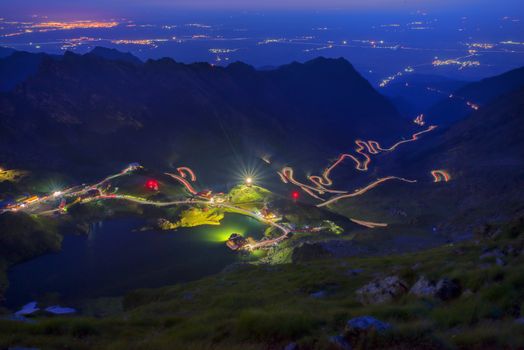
(248, 194)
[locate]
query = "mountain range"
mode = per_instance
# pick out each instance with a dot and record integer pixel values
(106, 107)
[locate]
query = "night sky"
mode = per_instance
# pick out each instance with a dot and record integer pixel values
(130, 6)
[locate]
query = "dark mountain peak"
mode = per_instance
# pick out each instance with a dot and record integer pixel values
(325, 71)
(321, 60)
(68, 55)
(331, 65)
(201, 66)
(240, 67)
(114, 55)
(161, 62)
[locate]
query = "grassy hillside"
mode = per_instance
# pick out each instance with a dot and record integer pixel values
(269, 306)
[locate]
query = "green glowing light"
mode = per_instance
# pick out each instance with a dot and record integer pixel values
(221, 234)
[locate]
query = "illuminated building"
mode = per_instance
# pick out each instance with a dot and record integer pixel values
(419, 120)
(207, 194)
(236, 242)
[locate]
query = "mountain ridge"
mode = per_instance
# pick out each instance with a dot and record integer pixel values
(233, 109)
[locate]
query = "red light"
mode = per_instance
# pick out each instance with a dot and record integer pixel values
(152, 185)
(295, 195)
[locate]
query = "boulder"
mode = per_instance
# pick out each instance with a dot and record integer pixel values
(382, 291)
(319, 294)
(291, 346)
(448, 289)
(339, 342)
(444, 289)
(512, 250)
(423, 288)
(361, 324)
(500, 262)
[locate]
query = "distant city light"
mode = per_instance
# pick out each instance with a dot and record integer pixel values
(461, 64)
(46, 26)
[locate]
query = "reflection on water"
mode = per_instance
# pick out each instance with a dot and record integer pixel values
(115, 258)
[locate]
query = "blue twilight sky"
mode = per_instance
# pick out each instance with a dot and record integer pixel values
(128, 7)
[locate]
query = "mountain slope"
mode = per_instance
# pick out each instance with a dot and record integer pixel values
(480, 93)
(484, 155)
(416, 93)
(5, 51)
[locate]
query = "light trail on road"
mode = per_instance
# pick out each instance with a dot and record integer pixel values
(184, 182)
(440, 175)
(288, 174)
(365, 189)
(474, 106)
(185, 170)
(368, 224)
(365, 149)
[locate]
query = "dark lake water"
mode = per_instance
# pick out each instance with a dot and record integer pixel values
(115, 258)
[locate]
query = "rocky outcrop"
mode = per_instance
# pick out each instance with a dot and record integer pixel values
(423, 288)
(382, 290)
(444, 289)
(448, 289)
(165, 225)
